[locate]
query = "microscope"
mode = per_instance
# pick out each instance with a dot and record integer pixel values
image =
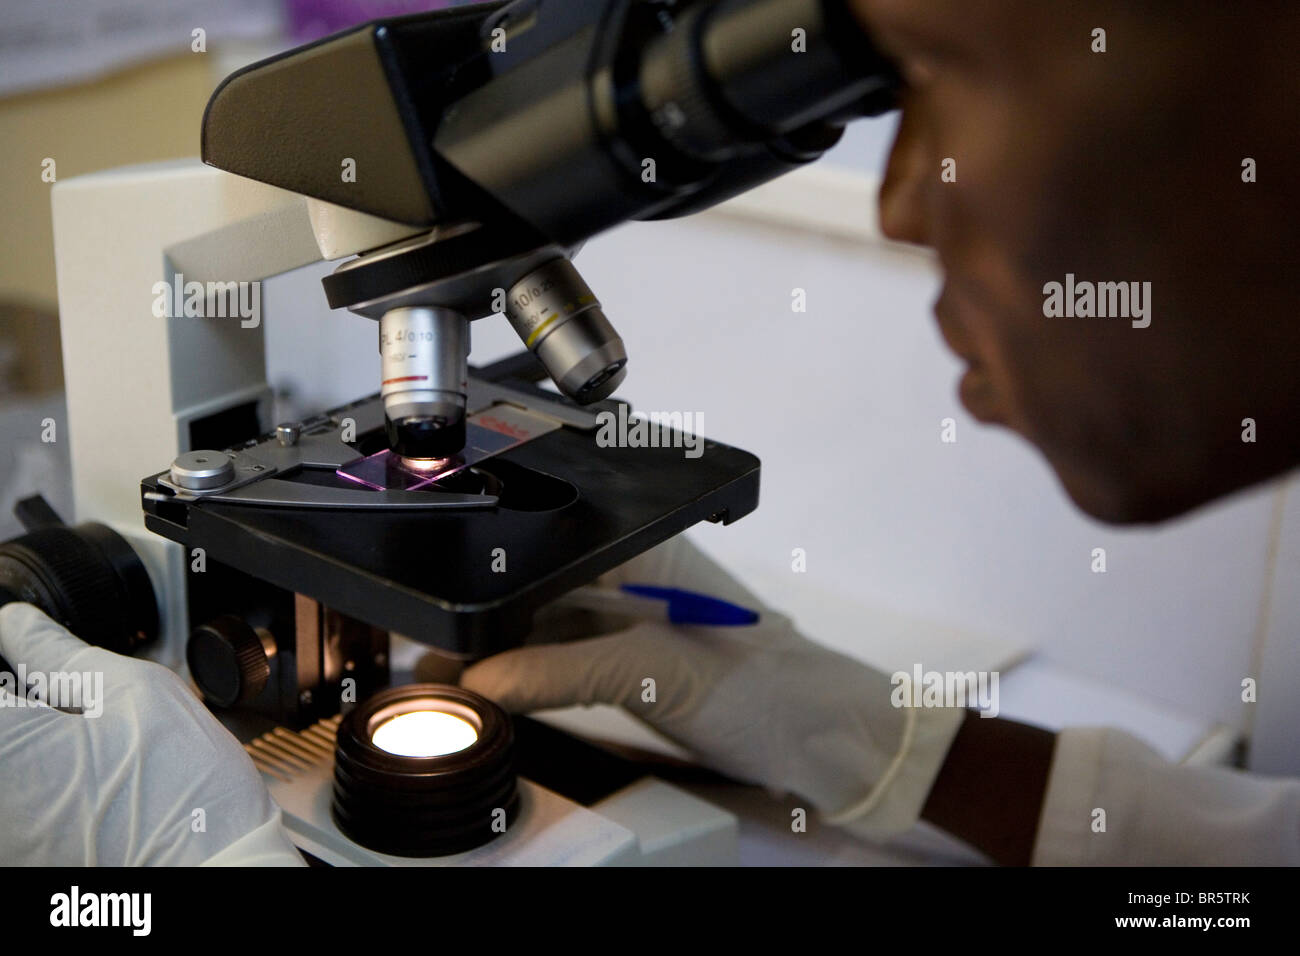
(456, 161)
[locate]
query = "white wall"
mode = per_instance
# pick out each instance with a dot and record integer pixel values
(1275, 721)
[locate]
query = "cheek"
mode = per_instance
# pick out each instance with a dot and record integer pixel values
(990, 231)
(1067, 385)
(999, 315)
(1030, 378)
(1079, 396)
(1013, 184)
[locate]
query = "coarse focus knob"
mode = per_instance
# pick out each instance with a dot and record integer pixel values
(86, 578)
(229, 660)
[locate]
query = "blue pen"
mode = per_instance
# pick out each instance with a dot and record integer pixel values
(672, 605)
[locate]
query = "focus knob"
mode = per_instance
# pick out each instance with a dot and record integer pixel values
(230, 661)
(87, 578)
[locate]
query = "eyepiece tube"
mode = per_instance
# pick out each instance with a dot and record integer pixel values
(424, 353)
(561, 322)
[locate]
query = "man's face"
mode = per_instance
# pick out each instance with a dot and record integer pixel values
(1123, 166)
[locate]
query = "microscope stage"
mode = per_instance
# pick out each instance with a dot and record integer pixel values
(466, 580)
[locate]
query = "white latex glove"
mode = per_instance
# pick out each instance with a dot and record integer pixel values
(122, 788)
(759, 703)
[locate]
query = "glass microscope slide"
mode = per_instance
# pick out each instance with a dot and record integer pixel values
(487, 433)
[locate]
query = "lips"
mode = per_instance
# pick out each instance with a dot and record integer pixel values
(979, 396)
(976, 389)
(953, 332)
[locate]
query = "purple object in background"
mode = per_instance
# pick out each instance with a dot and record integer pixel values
(312, 19)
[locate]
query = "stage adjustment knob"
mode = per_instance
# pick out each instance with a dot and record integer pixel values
(230, 661)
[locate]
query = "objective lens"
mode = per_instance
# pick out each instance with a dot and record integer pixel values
(558, 317)
(424, 733)
(424, 354)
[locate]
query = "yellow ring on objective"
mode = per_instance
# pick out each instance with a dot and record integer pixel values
(528, 342)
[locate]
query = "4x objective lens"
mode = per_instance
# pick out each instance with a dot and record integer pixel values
(424, 357)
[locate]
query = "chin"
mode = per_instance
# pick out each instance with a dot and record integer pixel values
(1119, 500)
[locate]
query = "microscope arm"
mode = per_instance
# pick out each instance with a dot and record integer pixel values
(141, 386)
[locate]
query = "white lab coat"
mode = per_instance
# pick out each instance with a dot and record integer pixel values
(1159, 813)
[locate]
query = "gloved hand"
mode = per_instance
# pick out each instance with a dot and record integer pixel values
(759, 703)
(122, 788)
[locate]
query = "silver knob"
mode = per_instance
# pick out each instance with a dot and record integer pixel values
(202, 470)
(287, 435)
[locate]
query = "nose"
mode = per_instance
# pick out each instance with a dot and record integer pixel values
(907, 175)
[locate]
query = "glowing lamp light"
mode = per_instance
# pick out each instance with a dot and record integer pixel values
(424, 770)
(425, 733)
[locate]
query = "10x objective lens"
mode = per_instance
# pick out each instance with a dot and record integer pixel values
(561, 322)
